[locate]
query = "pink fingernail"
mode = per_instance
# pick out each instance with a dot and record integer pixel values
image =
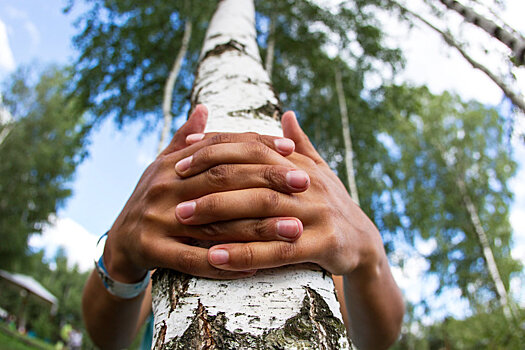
(288, 228)
(183, 164)
(284, 145)
(186, 209)
(219, 256)
(190, 139)
(297, 179)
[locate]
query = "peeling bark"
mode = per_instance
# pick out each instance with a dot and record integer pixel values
(292, 307)
(313, 327)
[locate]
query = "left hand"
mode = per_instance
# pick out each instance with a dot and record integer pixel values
(337, 234)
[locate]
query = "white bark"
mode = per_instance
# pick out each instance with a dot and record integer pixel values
(349, 152)
(6, 121)
(253, 312)
(170, 83)
(514, 42)
(483, 240)
(485, 246)
(516, 98)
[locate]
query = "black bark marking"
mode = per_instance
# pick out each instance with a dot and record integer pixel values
(159, 344)
(268, 110)
(218, 50)
(314, 327)
(176, 289)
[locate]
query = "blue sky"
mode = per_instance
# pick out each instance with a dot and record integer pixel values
(38, 31)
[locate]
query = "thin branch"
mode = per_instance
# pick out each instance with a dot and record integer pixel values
(170, 83)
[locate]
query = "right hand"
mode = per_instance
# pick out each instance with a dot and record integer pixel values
(147, 234)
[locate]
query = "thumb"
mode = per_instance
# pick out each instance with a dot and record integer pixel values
(292, 130)
(194, 125)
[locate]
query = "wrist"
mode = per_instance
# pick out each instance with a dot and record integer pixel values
(127, 289)
(117, 263)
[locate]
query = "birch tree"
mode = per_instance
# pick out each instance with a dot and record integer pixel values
(170, 83)
(512, 93)
(513, 40)
(291, 307)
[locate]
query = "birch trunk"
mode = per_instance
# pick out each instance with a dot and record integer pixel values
(270, 48)
(514, 42)
(170, 83)
(481, 235)
(349, 152)
(293, 307)
(485, 247)
(516, 98)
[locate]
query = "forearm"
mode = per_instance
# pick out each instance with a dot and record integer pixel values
(111, 321)
(375, 306)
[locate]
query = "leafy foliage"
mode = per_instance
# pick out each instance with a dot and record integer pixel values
(43, 146)
(126, 52)
(433, 141)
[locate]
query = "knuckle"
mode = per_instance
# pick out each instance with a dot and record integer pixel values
(286, 251)
(271, 175)
(156, 189)
(221, 138)
(247, 256)
(149, 215)
(258, 150)
(220, 174)
(261, 229)
(270, 200)
(187, 261)
(205, 155)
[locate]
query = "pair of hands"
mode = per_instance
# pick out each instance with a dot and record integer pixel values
(274, 201)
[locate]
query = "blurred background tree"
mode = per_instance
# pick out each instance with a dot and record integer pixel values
(42, 145)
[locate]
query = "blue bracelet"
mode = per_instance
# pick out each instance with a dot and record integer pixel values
(119, 289)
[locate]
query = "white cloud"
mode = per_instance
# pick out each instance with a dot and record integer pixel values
(79, 244)
(7, 61)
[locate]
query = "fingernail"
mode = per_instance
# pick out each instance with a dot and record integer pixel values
(185, 209)
(183, 164)
(288, 228)
(190, 139)
(284, 145)
(219, 256)
(297, 179)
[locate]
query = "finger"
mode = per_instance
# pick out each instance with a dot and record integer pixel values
(195, 124)
(271, 229)
(256, 255)
(229, 153)
(243, 204)
(282, 145)
(292, 130)
(231, 177)
(191, 260)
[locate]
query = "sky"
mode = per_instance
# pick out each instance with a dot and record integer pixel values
(38, 31)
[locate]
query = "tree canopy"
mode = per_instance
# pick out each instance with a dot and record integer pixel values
(43, 143)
